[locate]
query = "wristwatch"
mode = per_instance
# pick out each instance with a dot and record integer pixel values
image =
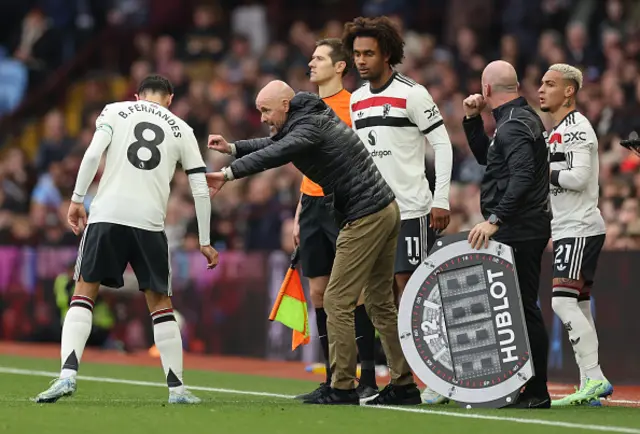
(494, 220)
(227, 173)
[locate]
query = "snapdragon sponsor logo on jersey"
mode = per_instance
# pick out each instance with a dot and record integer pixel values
(461, 324)
(372, 139)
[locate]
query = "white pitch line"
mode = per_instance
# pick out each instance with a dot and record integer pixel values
(6, 370)
(519, 420)
(617, 429)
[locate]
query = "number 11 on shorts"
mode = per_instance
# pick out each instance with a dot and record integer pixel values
(411, 241)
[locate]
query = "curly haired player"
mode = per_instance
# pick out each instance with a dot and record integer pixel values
(392, 115)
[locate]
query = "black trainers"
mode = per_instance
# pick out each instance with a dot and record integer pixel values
(533, 402)
(397, 395)
(533, 397)
(335, 397)
(314, 394)
(365, 391)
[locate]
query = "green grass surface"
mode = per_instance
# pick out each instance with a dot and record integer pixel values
(127, 408)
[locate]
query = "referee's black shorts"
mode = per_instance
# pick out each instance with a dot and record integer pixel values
(318, 236)
(107, 248)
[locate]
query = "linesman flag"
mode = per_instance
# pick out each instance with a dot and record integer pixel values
(290, 307)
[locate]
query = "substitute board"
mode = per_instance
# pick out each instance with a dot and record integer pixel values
(461, 324)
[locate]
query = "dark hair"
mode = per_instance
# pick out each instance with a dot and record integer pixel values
(383, 30)
(338, 52)
(155, 84)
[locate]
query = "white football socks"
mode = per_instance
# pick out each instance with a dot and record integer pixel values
(166, 335)
(581, 334)
(75, 332)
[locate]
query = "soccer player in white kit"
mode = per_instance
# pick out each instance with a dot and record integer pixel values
(577, 229)
(393, 115)
(142, 141)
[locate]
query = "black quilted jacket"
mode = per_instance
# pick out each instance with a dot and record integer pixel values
(515, 185)
(327, 151)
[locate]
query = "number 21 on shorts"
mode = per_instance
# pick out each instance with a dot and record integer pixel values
(563, 255)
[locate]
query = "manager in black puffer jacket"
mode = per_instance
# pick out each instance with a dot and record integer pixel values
(309, 134)
(326, 150)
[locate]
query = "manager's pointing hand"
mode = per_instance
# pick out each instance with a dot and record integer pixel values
(218, 143)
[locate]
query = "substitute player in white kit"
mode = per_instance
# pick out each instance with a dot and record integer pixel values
(392, 115)
(577, 228)
(143, 142)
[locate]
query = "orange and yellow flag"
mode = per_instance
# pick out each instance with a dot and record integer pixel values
(290, 307)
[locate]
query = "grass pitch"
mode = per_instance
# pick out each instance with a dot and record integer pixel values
(133, 399)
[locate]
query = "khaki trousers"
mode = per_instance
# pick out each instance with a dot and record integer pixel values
(365, 257)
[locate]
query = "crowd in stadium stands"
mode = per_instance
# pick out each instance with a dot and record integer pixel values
(217, 66)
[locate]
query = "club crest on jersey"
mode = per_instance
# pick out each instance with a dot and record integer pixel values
(385, 110)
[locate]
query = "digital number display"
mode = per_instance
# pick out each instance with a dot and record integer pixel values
(472, 337)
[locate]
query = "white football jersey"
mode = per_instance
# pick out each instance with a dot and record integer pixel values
(147, 141)
(392, 123)
(573, 149)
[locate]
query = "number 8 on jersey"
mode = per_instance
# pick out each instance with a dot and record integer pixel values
(151, 146)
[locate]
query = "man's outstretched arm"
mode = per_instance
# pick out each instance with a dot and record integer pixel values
(277, 154)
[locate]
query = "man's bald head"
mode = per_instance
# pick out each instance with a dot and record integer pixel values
(275, 90)
(273, 103)
(501, 77)
(499, 83)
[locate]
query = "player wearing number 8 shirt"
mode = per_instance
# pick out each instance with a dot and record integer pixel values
(577, 228)
(142, 141)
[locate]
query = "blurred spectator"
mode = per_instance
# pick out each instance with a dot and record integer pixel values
(580, 54)
(130, 13)
(206, 41)
(250, 19)
(262, 214)
(14, 78)
(47, 194)
(164, 52)
(55, 144)
(38, 45)
(17, 178)
(138, 71)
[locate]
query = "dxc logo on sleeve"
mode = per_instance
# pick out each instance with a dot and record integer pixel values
(572, 136)
(433, 111)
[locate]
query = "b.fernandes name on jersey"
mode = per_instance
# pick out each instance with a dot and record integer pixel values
(160, 113)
